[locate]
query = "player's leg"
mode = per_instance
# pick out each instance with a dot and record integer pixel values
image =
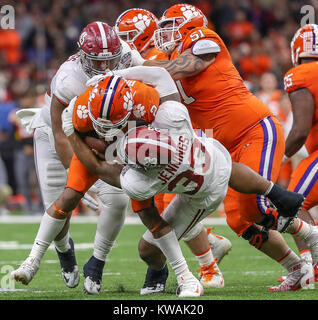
(179, 211)
(304, 180)
(110, 221)
(262, 151)
(52, 178)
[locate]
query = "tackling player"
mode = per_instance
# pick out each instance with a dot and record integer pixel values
(216, 97)
(100, 50)
(202, 181)
(136, 26)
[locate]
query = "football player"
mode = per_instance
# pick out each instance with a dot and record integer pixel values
(100, 50)
(301, 84)
(216, 97)
(136, 26)
(201, 182)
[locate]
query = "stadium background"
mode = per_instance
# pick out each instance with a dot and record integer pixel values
(257, 33)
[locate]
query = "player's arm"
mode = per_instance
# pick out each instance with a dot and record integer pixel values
(62, 145)
(157, 77)
(110, 173)
(303, 106)
(185, 65)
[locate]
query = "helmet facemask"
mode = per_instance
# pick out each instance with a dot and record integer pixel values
(166, 38)
(93, 65)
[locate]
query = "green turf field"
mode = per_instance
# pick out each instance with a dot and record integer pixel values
(247, 272)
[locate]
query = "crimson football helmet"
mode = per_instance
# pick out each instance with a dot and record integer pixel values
(146, 147)
(137, 26)
(100, 48)
(175, 23)
(109, 106)
(304, 43)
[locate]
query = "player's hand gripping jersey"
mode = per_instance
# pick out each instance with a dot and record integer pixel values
(144, 106)
(217, 97)
(306, 76)
(199, 170)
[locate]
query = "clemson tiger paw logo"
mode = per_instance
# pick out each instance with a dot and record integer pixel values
(129, 101)
(82, 112)
(141, 21)
(139, 111)
(189, 11)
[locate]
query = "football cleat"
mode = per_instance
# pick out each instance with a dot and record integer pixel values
(93, 272)
(27, 270)
(69, 268)
(155, 281)
(211, 276)
(220, 246)
(189, 286)
(300, 276)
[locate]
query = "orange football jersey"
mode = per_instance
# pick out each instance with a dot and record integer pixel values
(217, 97)
(155, 54)
(146, 103)
(306, 76)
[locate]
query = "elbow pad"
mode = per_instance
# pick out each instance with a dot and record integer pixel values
(205, 46)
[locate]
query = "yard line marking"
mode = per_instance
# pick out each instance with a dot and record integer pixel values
(130, 220)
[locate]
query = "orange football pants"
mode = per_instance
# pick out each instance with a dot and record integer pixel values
(261, 149)
(79, 178)
(162, 200)
(304, 180)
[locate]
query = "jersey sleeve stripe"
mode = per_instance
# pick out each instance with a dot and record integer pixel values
(64, 103)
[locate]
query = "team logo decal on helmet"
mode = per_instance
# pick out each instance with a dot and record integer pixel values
(100, 48)
(109, 105)
(174, 25)
(304, 43)
(137, 26)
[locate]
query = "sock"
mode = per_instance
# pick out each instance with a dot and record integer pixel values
(48, 230)
(289, 260)
(170, 247)
(205, 258)
(102, 247)
(306, 255)
(63, 244)
(303, 231)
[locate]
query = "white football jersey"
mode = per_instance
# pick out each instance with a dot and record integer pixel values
(200, 168)
(70, 81)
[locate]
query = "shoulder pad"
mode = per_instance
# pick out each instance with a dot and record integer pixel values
(204, 46)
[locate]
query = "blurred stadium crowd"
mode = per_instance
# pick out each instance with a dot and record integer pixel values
(257, 33)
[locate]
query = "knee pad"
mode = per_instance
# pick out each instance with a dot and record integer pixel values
(56, 175)
(193, 232)
(256, 237)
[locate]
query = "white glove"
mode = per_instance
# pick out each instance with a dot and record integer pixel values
(67, 118)
(90, 202)
(136, 58)
(26, 116)
(99, 77)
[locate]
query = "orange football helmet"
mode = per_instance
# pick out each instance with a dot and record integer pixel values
(109, 105)
(181, 18)
(137, 26)
(304, 43)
